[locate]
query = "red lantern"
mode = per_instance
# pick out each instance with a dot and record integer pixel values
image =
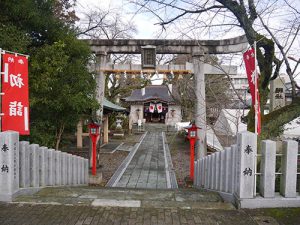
(94, 132)
(192, 136)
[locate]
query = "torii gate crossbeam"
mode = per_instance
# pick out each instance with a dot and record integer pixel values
(197, 48)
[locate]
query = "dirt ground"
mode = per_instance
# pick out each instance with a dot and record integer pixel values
(109, 162)
(180, 153)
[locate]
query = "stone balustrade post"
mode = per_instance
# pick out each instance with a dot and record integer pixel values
(74, 174)
(227, 170)
(267, 169)
(210, 172)
(78, 169)
(213, 170)
(57, 168)
(64, 168)
(206, 171)
(247, 149)
(86, 171)
(217, 170)
(222, 171)
(202, 172)
(70, 169)
(196, 176)
(289, 159)
(34, 165)
(233, 170)
(43, 166)
(9, 165)
(24, 164)
(51, 167)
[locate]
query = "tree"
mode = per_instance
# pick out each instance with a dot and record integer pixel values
(61, 88)
(248, 17)
(217, 96)
(109, 24)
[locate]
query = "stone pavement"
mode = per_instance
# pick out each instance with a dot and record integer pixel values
(148, 167)
(76, 206)
(32, 214)
(93, 205)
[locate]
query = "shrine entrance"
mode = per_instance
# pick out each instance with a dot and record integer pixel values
(155, 112)
(149, 163)
(148, 48)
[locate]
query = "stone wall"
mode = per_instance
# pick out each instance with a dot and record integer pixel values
(233, 173)
(26, 168)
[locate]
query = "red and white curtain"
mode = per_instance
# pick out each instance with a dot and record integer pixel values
(151, 108)
(159, 107)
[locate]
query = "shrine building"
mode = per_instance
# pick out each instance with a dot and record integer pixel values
(153, 104)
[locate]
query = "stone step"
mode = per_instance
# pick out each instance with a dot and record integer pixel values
(118, 197)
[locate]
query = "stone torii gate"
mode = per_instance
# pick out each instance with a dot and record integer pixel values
(196, 48)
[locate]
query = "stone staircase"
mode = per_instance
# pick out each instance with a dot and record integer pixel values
(118, 197)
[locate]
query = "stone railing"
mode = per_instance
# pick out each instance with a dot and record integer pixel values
(233, 173)
(26, 168)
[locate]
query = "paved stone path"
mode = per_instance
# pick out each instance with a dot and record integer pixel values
(147, 168)
(29, 214)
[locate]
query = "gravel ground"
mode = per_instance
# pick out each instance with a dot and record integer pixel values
(109, 162)
(180, 153)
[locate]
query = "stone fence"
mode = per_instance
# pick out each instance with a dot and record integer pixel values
(26, 168)
(234, 173)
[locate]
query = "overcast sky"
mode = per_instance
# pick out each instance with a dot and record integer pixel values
(145, 23)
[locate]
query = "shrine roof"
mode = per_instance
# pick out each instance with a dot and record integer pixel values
(112, 107)
(159, 92)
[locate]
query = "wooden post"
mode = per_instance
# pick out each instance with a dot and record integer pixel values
(105, 129)
(79, 134)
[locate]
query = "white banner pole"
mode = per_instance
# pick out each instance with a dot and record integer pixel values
(0, 89)
(255, 87)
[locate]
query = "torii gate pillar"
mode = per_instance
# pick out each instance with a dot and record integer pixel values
(200, 109)
(100, 89)
(100, 80)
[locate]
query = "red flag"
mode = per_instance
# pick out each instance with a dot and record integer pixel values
(249, 58)
(15, 101)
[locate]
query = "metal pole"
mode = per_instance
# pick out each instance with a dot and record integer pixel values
(255, 92)
(256, 117)
(0, 89)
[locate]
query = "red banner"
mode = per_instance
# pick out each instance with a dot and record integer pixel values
(15, 101)
(249, 58)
